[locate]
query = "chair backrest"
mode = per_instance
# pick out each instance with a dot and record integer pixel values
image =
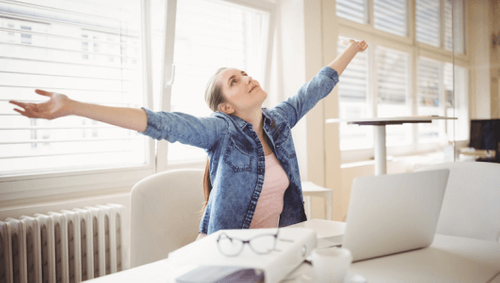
(165, 214)
(471, 205)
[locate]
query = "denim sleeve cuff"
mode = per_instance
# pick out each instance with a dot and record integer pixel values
(151, 130)
(331, 73)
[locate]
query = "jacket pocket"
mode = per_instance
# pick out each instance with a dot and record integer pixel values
(285, 142)
(239, 156)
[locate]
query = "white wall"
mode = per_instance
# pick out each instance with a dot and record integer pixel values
(292, 55)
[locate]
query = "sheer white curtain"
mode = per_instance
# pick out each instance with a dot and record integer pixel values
(210, 35)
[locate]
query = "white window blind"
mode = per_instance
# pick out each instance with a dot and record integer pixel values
(89, 50)
(391, 16)
(437, 23)
(448, 25)
(210, 35)
(353, 101)
(429, 81)
(354, 10)
(428, 22)
(392, 89)
(454, 26)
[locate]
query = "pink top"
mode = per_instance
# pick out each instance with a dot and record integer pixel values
(270, 204)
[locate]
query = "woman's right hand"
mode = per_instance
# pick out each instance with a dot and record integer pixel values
(55, 107)
(360, 45)
(60, 105)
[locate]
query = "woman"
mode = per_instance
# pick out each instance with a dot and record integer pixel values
(253, 168)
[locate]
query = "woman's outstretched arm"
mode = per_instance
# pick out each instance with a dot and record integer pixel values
(353, 47)
(59, 105)
(320, 86)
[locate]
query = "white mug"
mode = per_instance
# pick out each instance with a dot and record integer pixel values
(331, 264)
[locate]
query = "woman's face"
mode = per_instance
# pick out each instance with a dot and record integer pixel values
(241, 92)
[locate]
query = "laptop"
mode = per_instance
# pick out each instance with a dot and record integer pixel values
(391, 213)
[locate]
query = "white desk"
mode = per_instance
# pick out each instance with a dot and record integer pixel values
(448, 259)
(380, 123)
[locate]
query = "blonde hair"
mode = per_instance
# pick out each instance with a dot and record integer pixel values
(213, 91)
(213, 97)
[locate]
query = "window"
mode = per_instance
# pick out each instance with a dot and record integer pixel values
(429, 89)
(208, 35)
(456, 102)
(354, 10)
(78, 49)
(391, 16)
(353, 97)
(429, 21)
(98, 52)
(25, 37)
(457, 33)
(394, 78)
(393, 85)
(436, 27)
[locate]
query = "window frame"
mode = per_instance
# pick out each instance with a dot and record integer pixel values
(415, 49)
(22, 189)
(162, 163)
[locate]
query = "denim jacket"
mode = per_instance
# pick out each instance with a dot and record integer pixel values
(237, 160)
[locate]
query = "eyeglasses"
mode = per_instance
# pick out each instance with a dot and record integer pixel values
(260, 244)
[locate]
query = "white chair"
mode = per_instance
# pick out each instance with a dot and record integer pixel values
(471, 205)
(165, 212)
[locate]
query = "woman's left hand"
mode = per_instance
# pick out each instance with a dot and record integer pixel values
(55, 107)
(360, 45)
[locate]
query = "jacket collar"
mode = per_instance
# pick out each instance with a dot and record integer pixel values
(242, 123)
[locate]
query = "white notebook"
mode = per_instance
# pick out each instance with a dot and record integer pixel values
(289, 254)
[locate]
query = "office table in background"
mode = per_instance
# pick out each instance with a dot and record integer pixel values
(380, 123)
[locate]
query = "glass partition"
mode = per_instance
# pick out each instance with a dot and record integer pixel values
(410, 69)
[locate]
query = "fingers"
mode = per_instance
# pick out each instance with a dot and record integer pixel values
(20, 111)
(24, 105)
(24, 113)
(43, 92)
(33, 110)
(362, 45)
(20, 104)
(29, 110)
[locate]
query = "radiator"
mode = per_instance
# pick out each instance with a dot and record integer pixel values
(66, 246)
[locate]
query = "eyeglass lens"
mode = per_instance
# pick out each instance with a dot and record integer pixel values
(229, 246)
(262, 244)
